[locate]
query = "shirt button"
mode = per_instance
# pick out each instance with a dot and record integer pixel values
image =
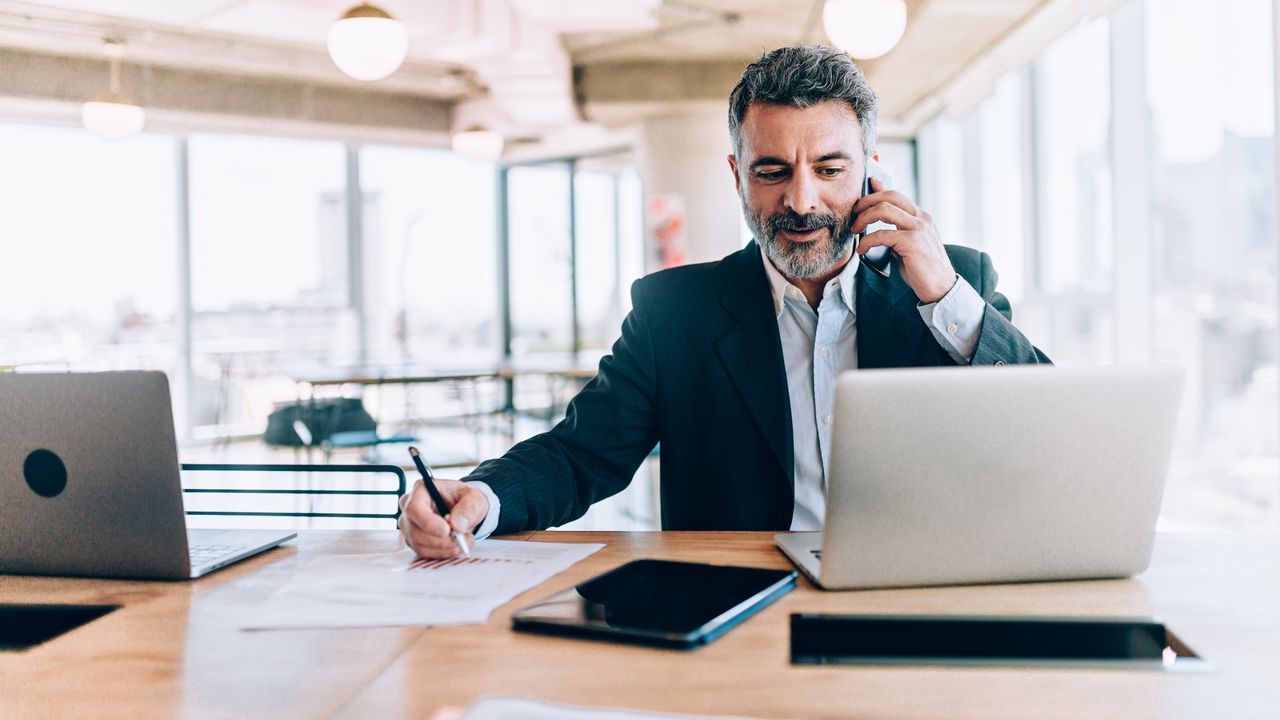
(952, 328)
(999, 363)
(823, 352)
(830, 418)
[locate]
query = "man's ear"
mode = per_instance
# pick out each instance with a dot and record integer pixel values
(733, 168)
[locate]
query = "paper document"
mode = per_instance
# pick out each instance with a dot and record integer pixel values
(513, 709)
(385, 589)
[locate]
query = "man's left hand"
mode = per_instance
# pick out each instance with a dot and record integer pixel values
(925, 265)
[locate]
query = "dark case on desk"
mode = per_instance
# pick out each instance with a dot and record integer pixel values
(322, 417)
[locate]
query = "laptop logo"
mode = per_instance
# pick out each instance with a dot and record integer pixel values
(45, 473)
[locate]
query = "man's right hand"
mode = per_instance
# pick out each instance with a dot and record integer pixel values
(430, 535)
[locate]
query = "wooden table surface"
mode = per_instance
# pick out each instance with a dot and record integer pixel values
(174, 650)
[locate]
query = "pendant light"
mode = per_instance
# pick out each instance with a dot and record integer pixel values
(865, 29)
(478, 143)
(367, 43)
(111, 115)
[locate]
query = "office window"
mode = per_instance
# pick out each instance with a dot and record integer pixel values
(1213, 223)
(1001, 182)
(268, 270)
(632, 253)
(89, 276)
(605, 240)
(610, 245)
(599, 272)
(431, 262)
(899, 158)
(540, 259)
(1075, 237)
(1074, 113)
(942, 186)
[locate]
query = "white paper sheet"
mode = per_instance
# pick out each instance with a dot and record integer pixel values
(516, 709)
(388, 589)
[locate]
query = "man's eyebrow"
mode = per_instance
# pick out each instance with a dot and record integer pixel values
(766, 160)
(769, 160)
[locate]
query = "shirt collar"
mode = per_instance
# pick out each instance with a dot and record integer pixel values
(781, 288)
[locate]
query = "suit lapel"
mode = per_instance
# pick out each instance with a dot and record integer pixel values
(751, 352)
(889, 326)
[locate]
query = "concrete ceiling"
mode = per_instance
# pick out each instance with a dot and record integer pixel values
(540, 61)
(703, 45)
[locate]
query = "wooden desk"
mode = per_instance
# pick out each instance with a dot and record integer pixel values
(174, 650)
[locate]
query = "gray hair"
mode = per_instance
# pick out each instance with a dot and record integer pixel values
(803, 77)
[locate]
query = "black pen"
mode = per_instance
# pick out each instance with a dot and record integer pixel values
(442, 507)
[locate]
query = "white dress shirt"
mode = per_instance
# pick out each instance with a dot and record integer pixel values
(819, 345)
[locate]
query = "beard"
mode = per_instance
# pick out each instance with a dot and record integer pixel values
(805, 261)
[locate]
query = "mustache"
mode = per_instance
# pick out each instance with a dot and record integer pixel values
(796, 222)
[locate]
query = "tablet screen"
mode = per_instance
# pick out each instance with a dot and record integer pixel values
(658, 599)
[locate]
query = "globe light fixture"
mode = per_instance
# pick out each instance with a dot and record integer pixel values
(111, 115)
(865, 29)
(367, 43)
(477, 143)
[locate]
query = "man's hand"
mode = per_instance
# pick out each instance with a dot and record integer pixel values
(430, 535)
(925, 265)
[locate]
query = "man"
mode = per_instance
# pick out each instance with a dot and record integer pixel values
(731, 365)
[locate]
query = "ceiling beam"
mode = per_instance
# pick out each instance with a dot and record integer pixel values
(179, 98)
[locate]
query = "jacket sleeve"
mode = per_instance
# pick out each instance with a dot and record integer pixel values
(608, 429)
(1000, 343)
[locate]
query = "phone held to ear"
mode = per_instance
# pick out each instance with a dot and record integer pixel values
(880, 258)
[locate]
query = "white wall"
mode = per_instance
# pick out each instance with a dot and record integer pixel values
(685, 155)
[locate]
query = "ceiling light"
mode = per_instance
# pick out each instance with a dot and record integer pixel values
(367, 43)
(478, 143)
(865, 29)
(111, 115)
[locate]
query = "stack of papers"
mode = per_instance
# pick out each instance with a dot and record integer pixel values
(388, 589)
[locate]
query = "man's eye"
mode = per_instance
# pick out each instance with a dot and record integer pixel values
(771, 174)
(830, 171)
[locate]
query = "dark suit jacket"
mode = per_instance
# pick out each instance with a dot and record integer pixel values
(699, 368)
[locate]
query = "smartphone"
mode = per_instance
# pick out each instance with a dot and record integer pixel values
(880, 259)
(968, 640)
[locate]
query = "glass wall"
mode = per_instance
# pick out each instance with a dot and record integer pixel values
(942, 185)
(94, 236)
(87, 228)
(1048, 139)
(269, 284)
(540, 256)
(1214, 256)
(572, 264)
(431, 281)
(1002, 203)
(1074, 245)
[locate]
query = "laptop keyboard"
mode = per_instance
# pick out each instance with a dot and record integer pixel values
(201, 554)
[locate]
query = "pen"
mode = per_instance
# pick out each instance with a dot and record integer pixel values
(429, 482)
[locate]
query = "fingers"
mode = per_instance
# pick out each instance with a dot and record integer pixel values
(885, 212)
(469, 508)
(434, 546)
(430, 535)
(879, 193)
(887, 238)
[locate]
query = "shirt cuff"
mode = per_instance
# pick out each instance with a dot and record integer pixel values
(956, 320)
(490, 522)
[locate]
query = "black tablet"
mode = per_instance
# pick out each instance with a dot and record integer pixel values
(658, 602)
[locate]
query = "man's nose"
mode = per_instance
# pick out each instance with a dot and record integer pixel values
(801, 195)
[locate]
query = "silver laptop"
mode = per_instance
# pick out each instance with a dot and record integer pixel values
(89, 482)
(985, 475)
